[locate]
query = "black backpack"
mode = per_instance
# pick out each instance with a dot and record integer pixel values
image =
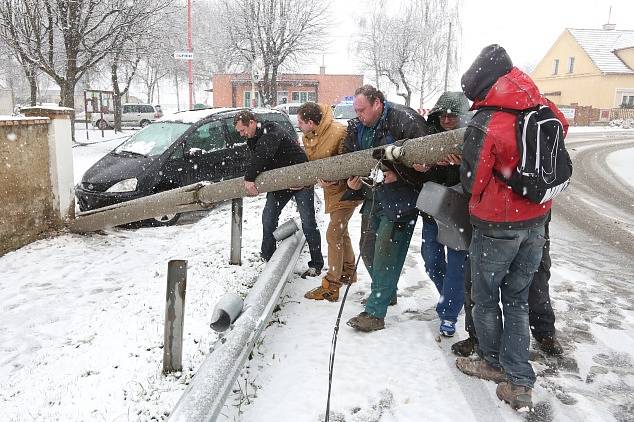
(544, 168)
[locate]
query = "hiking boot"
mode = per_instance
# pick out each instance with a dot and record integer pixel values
(447, 328)
(393, 302)
(311, 272)
(366, 322)
(481, 369)
(551, 346)
(465, 347)
(518, 396)
(321, 293)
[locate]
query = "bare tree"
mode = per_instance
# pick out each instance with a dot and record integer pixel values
(410, 48)
(145, 17)
(275, 32)
(66, 38)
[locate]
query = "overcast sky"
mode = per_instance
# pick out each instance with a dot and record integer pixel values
(525, 29)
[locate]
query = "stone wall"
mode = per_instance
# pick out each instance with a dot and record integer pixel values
(26, 203)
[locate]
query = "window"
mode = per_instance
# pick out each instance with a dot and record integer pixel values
(303, 96)
(556, 66)
(282, 97)
(628, 101)
(247, 99)
(209, 137)
(146, 109)
(234, 136)
(571, 64)
(128, 109)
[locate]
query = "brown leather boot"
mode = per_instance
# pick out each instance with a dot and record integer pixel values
(321, 293)
(481, 369)
(366, 322)
(518, 396)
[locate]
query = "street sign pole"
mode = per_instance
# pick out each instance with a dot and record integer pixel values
(189, 48)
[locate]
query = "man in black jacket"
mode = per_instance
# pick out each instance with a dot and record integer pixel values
(273, 147)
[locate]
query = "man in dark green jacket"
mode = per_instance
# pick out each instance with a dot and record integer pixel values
(389, 213)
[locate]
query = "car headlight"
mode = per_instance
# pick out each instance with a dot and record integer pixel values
(127, 185)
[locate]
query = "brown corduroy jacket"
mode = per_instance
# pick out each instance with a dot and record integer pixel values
(324, 142)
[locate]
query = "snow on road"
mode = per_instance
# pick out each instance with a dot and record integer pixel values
(82, 325)
(621, 163)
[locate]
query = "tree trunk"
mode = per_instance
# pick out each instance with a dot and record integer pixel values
(116, 95)
(30, 75)
(67, 93)
(426, 150)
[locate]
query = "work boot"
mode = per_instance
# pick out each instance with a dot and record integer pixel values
(366, 322)
(393, 302)
(550, 345)
(321, 293)
(465, 347)
(518, 396)
(481, 369)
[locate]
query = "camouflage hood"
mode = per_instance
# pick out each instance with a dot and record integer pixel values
(449, 102)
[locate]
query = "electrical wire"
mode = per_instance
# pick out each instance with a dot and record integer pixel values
(333, 345)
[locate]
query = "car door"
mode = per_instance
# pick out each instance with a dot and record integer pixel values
(206, 153)
(239, 152)
(128, 114)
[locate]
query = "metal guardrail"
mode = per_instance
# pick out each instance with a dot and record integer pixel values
(205, 396)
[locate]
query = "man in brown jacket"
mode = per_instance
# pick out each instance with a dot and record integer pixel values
(322, 138)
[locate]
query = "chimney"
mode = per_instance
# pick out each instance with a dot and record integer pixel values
(609, 26)
(322, 68)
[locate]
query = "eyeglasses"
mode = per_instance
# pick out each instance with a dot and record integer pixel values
(449, 116)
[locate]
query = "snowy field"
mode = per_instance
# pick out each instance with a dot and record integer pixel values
(82, 326)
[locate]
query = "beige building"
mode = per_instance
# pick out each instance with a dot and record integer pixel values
(589, 67)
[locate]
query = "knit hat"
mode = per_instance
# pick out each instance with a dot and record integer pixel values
(492, 63)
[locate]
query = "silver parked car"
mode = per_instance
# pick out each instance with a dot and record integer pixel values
(131, 115)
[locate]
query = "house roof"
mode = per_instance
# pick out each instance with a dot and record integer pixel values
(600, 45)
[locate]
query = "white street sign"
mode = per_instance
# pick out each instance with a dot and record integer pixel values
(183, 55)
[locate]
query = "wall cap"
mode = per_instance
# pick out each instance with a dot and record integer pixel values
(48, 111)
(23, 121)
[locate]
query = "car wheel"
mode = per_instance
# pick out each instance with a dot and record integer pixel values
(144, 123)
(165, 220)
(102, 124)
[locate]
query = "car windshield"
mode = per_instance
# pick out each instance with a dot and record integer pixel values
(153, 140)
(344, 111)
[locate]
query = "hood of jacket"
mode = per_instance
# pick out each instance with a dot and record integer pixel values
(324, 125)
(449, 102)
(515, 90)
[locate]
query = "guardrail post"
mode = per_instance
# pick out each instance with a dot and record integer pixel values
(236, 232)
(174, 316)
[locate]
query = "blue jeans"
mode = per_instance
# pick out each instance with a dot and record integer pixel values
(503, 262)
(390, 250)
(448, 276)
(275, 202)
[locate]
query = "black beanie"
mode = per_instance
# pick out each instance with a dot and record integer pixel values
(491, 63)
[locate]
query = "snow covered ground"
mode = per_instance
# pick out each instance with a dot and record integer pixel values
(621, 163)
(82, 325)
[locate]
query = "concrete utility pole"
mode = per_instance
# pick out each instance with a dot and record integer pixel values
(426, 150)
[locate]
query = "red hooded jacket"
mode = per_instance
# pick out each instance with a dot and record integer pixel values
(490, 144)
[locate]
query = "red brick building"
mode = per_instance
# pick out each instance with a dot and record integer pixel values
(234, 90)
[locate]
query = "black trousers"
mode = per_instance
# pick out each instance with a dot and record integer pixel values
(541, 316)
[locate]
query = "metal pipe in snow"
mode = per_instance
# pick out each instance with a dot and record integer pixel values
(205, 396)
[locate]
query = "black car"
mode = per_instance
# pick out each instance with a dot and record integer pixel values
(178, 150)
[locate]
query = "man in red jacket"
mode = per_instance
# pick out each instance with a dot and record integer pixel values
(508, 233)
